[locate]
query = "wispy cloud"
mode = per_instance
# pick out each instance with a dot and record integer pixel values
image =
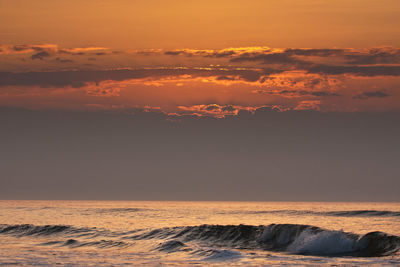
(189, 79)
(372, 94)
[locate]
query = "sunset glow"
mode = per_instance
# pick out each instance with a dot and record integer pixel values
(199, 133)
(124, 54)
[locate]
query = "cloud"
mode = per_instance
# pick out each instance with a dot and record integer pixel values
(369, 71)
(63, 60)
(297, 93)
(214, 110)
(373, 94)
(225, 78)
(381, 55)
(41, 51)
(325, 52)
(245, 76)
(228, 108)
(267, 55)
(40, 55)
(308, 105)
(216, 53)
(78, 78)
(270, 59)
(379, 61)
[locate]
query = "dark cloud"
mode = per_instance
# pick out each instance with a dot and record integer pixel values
(374, 94)
(69, 52)
(19, 48)
(174, 53)
(80, 77)
(40, 55)
(275, 58)
(289, 61)
(221, 54)
(375, 56)
(382, 55)
(298, 93)
(315, 52)
(203, 53)
(225, 78)
(62, 60)
(228, 108)
(324, 93)
(357, 62)
(369, 71)
(266, 110)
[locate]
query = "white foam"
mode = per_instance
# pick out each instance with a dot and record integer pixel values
(221, 255)
(322, 243)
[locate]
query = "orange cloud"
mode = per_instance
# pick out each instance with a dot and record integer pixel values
(188, 80)
(308, 105)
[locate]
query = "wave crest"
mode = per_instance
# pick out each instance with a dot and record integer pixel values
(292, 238)
(29, 229)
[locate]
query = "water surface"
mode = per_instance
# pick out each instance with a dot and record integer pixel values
(104, 233)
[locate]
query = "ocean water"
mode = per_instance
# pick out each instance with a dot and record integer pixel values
(116, 233)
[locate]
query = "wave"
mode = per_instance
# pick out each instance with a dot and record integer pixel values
(348, 213)
(219, 255)
(119, 210)
(28, 229)
(366, 213)
(73, 243)
(311, 240)
(291, 238)
(171, 246)
(99, 243)
(47, 230)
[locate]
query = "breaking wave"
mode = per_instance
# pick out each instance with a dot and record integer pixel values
(290, 238)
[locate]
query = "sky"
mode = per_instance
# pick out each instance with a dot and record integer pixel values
(200, 100)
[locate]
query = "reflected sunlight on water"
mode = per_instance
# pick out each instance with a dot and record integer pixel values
(181, 233)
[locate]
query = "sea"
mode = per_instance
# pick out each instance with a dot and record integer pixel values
(132, 233)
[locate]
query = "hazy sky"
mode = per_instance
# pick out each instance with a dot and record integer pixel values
(210, 100)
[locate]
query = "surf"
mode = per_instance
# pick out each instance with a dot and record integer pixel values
(289, 238)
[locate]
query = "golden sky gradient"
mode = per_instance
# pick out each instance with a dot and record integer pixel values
(201, 24)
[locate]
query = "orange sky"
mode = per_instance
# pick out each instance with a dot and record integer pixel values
(207, 99)
(186, 56)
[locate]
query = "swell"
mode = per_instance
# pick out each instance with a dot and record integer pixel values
(74, 243)
(67, 236)
(21, 230)
(29, 229)
(366, 213)
(347, 213)
(119, 210)
(291, 238)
